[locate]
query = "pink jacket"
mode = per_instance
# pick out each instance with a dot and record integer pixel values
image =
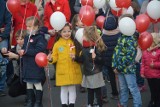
(149, 57)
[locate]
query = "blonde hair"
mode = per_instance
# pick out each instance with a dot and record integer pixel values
(91, 34)
(35, 20)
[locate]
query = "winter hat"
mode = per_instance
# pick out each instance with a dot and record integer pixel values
(110, 23)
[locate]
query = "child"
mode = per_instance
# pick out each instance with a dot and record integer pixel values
(110, 37)
(76, 24)
(92, 64)
(33, 75)
(150, 69)
(16, 87)
(123, 63)
(68, 72)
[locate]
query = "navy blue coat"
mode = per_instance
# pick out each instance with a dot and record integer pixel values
(111, 42)
(5, 20)
(31, 71)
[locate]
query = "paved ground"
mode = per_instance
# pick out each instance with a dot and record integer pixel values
(81, 101)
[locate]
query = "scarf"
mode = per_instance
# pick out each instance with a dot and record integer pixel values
(88, 43)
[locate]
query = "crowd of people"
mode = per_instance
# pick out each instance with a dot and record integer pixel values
(108, 55)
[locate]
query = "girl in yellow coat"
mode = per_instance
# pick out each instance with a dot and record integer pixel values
(68, 72)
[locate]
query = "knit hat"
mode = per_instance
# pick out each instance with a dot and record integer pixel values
(110, 23)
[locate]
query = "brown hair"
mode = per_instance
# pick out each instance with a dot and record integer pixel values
(59, 32)
(74, 21)
(21, 33)
(91, 34)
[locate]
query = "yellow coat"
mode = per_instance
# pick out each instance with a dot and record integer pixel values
(68, 72)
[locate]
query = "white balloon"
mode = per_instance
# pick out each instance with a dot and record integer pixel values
(127, 26)
(153, 9)
(130, 10)
(79, 35)
(113, 5)
(57, 20)
(99, 3)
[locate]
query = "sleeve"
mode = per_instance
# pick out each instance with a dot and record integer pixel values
(40, 47)
(8, 24)
(77, 6)
(67, 11)
(157, 63)
(54, 54)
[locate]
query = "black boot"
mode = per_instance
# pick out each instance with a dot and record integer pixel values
(39, 95)
(31, 97)
(64, 105)
(71, 105)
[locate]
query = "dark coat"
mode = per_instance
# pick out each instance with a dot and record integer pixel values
(31, 70)
(5, 20)
(111, 42)
(88, 63)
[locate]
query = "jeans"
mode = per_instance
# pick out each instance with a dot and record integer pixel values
(128, 82)
(104, 88)
(3, 44)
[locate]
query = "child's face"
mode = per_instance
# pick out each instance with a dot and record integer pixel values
(66, 32)
(79, 23)
(20, 41)
(30, 26)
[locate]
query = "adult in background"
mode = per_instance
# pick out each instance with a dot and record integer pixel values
(5, 29)
(51, 7)
(27, 9)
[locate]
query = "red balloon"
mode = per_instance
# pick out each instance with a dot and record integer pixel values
(100, 21)
(87, 15)
(13, 6)
(116, 13)
(41, 59)
(145, 40)
(152, 20)
(142, 22)
(87, 2)
(123, 3)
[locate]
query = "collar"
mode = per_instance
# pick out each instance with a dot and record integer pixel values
(88, 43)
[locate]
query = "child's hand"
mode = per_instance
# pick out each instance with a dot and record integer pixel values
(142, 75)
(4, 50)
(49, 57)
(52, 32)
(93, 55)
(11, 55)
(21, 52)
(72, 56)
(152, 65)
(115, 71)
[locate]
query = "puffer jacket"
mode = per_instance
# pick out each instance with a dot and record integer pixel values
(149, 57)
